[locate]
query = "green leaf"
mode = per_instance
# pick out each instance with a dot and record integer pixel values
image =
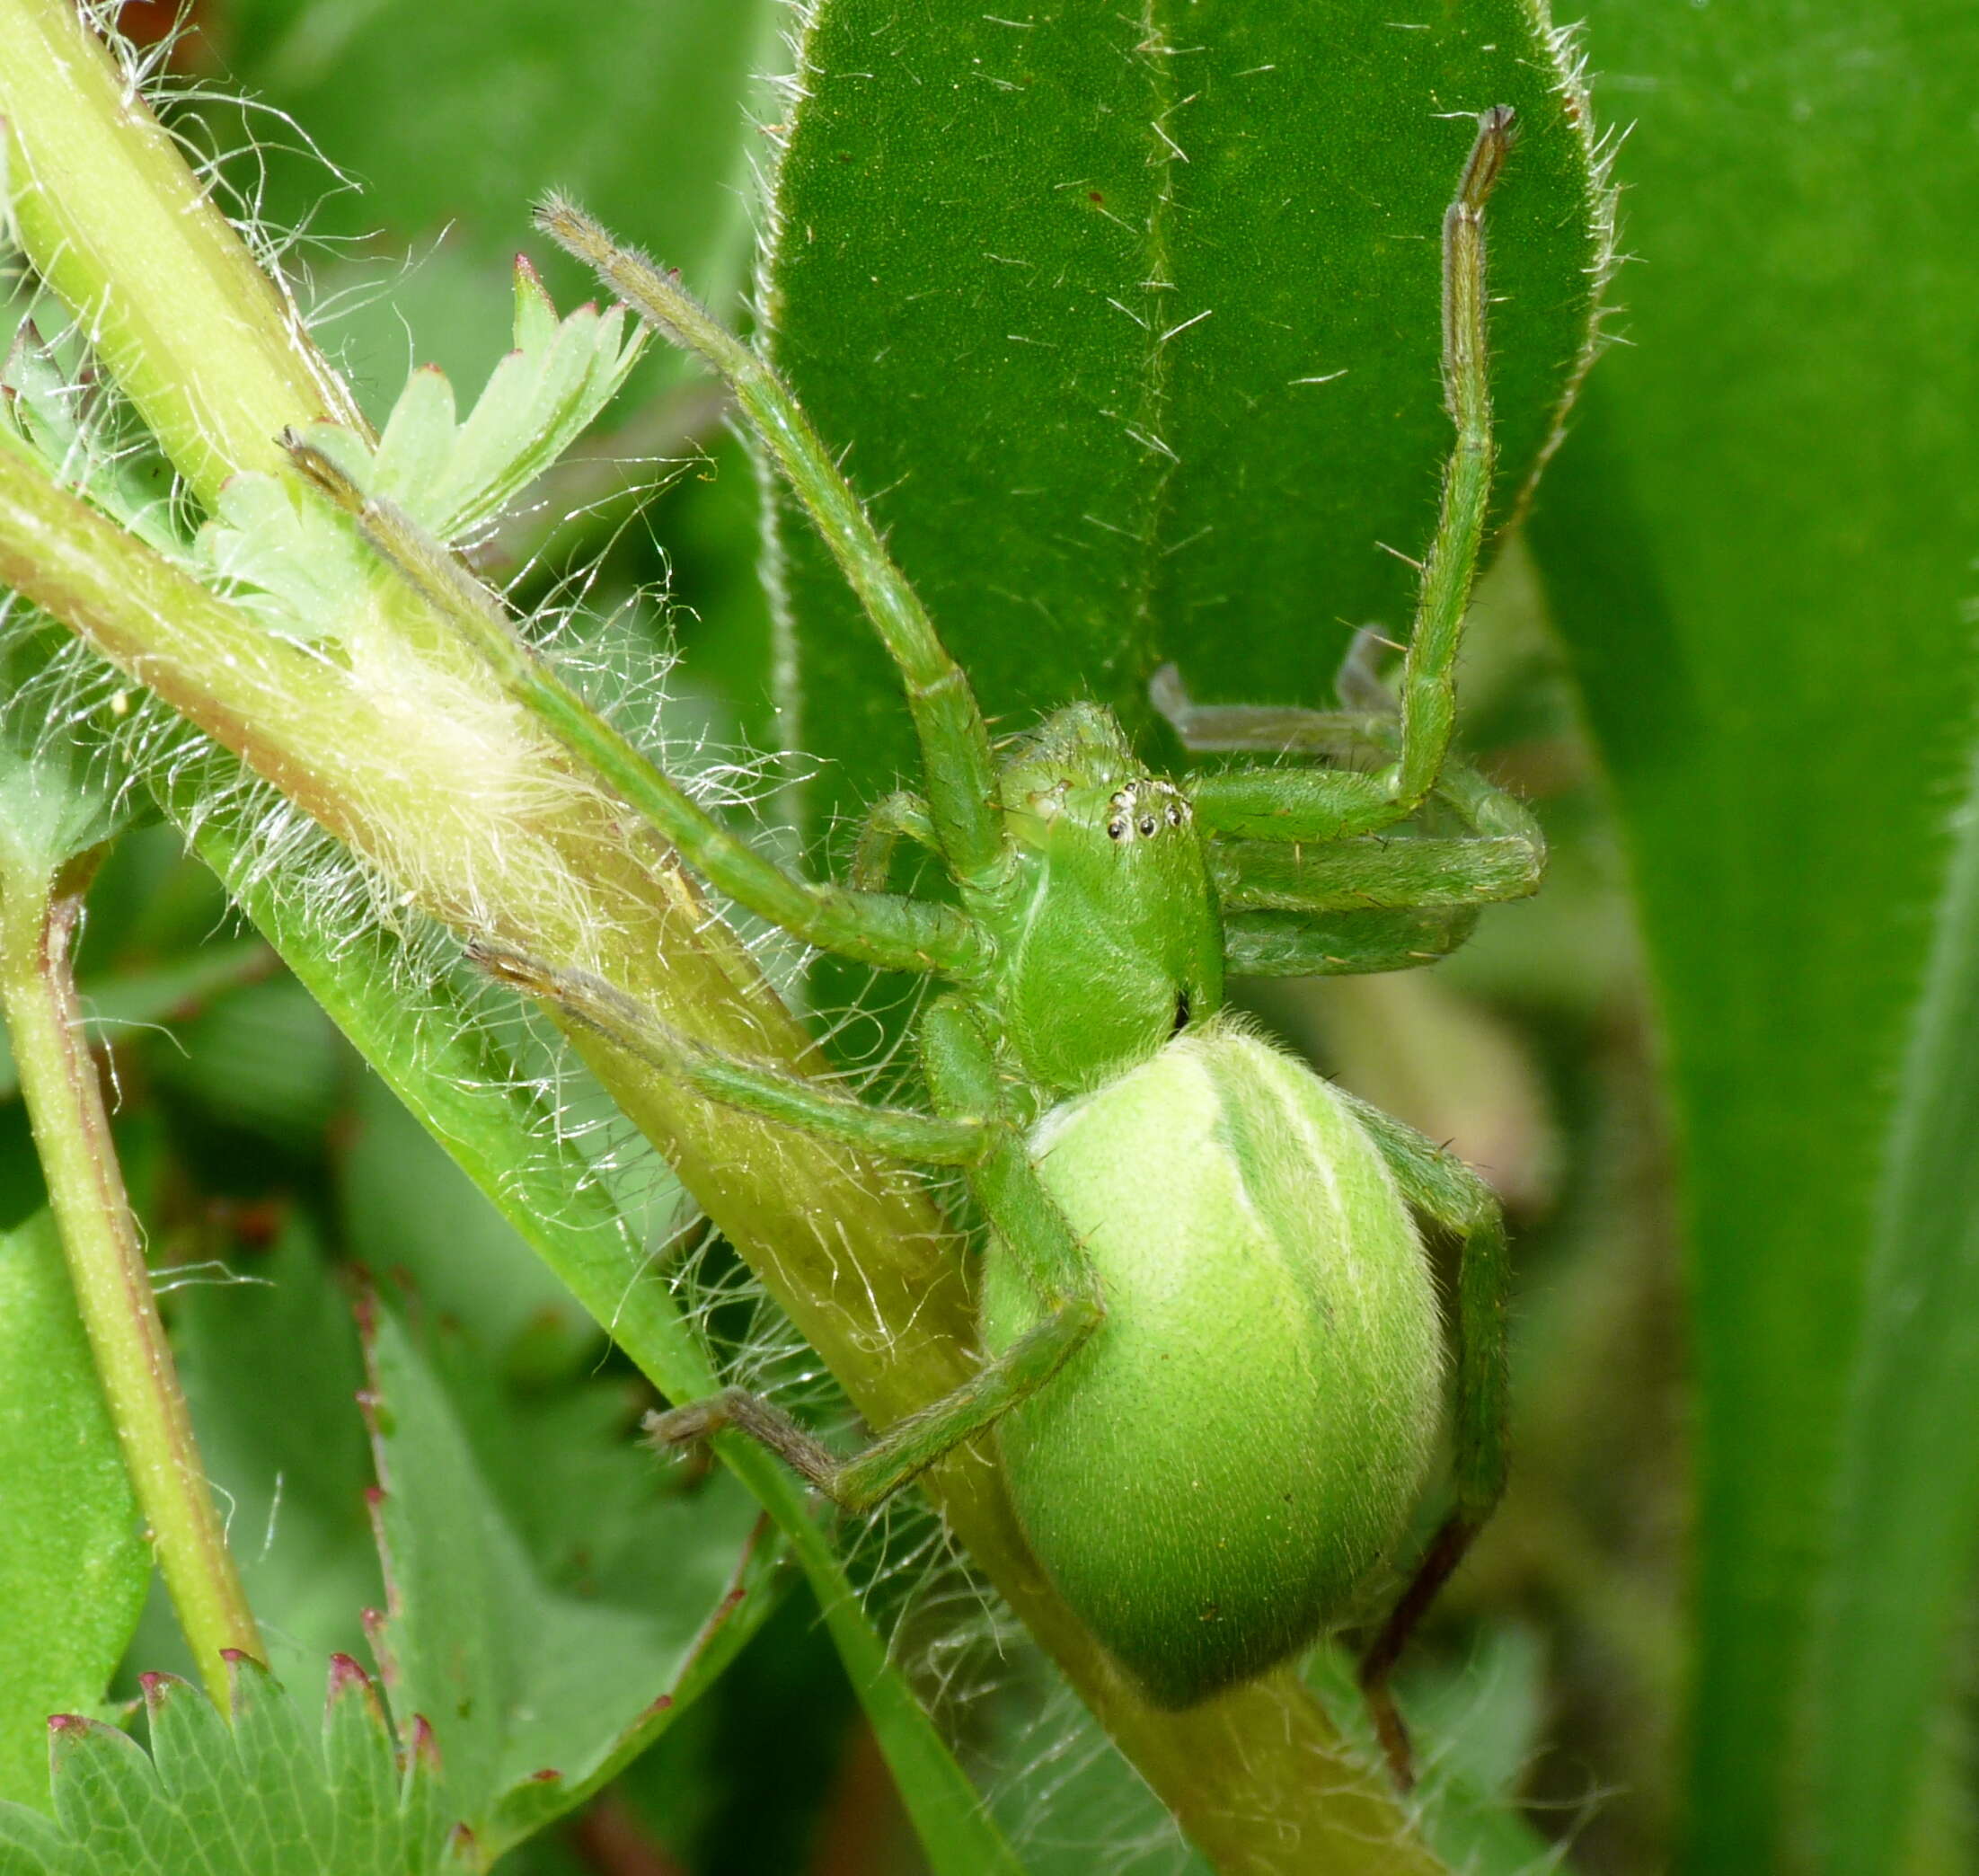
(59, 796)
(1129, 326)
(406, 1206)
(455, 475)
(271, 1795)
(123, 999)
(263, 1058)
(1759, 545)
(294, 1481)
(43, 412)
(554, 1604)
(73, 1569)
(1900, 1580)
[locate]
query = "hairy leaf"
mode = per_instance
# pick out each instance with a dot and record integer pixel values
(1759, 545)
(1128, 322)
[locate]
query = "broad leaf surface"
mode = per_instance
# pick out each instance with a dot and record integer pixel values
(1129, 325)
(408, 1207)
(1760, 546)
(73, 1568)
(1901, 1575)
(553, 1601)
(294, 1481)
(279, 1792)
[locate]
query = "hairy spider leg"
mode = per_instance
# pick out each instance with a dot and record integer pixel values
(756, 1087)
(900, 816)
(967, 1130)
(887, 930)
(958, 769)
(1299, 944)
(965, 1086)
(1324, 804)
(1261, 884)
(1442, 1188)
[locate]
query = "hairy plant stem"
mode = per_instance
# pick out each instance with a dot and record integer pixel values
(64, 1101)
(853, 1250)
(123, 231)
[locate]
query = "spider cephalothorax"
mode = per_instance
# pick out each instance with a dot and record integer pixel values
(1108, 939)
(1209, 1347)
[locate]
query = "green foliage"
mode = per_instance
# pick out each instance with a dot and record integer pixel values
(409, 1208)
(553, 1603)
(270, 1795)
(294, 1481)
(1759, 545)
(1130, 327)
(455, 476)
(994, 240)
(73, 1568)
(448, 121)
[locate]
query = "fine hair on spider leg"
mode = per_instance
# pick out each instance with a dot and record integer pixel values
(1149, 1169)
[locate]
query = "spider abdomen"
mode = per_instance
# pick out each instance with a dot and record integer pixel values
(1213, 1476)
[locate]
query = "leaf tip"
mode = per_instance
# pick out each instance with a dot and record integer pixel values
(157, 1689)
(423, 1749)
(347, 1676)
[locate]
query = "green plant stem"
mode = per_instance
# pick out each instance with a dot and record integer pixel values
(120, 205)
(859, 1256)
(64, 1102)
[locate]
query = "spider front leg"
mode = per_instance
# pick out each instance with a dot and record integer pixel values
(1302, 944)
(965, 1086)
(1442, 1188)
(1294, 804)
(886, 930)
(1338, 907)
(959, 769)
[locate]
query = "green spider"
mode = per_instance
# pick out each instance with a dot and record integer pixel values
(1211, 1348)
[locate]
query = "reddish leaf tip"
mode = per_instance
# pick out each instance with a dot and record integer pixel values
(346, 1675)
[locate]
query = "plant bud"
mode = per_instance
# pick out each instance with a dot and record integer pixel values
(1219, 1468)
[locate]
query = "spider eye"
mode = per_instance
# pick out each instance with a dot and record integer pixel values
(1117, 831)
(1174, 815)
(1149, 823)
